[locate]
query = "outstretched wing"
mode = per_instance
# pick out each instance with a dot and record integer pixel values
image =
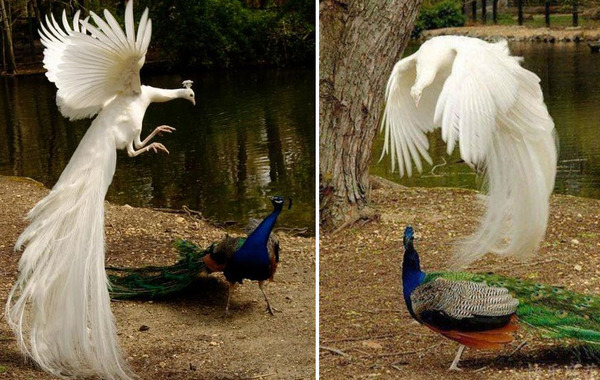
(481, 91)
(405, 126)
(463, 305)
(92, 64)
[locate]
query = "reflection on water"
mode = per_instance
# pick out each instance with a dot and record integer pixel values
(569, 74)
(250, 135)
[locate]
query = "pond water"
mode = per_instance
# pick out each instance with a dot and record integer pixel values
(250, 135)
(571, 85)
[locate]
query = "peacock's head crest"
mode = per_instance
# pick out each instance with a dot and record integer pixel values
(278, 202)
(188, 92)
(409, 236)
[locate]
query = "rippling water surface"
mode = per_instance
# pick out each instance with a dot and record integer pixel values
(250, 135)
(570, 77)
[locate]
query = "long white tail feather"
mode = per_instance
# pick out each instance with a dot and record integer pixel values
(60, 307)
(513, 223)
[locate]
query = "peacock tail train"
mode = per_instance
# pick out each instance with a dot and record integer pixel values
(161, 281)
(552, 311)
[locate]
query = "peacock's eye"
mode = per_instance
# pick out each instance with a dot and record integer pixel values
(191, 95)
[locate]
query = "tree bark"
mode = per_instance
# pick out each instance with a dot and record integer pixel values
(360, 42)
(11, 65)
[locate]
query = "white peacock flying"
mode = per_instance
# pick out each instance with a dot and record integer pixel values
(483, 99)
(59, 308)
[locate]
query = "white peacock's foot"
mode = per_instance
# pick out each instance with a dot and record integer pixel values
(164, 128)
(156, 147)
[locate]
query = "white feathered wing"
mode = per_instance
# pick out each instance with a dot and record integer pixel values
(92, 64)
(494, 109)
(59, 307)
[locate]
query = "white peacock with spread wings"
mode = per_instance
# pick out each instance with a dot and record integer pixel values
(59, 307)
(484, 101)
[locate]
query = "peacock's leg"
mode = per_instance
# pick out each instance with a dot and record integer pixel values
(454, 366)
(154, 146)
(231, 287)
(163, 128)
(269, 307)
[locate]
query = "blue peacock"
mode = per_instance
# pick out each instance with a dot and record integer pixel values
(254, 258)
(483, 310)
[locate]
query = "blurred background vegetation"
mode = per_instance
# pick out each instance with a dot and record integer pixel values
(193, 34)
(436, 14)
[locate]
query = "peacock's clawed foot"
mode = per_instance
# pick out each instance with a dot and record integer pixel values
(163, 128)
(156, 147)
(454, 368)
(272, 310)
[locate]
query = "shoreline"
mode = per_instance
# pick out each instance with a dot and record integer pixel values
(518, 33)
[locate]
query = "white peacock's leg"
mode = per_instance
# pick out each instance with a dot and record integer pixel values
(454, 366)
(163, 128)
(154, 146)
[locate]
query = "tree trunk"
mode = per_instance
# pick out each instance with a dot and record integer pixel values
(484, 12)
(360, 42)
(11, 65)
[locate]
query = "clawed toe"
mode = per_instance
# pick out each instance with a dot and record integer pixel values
(272, 310)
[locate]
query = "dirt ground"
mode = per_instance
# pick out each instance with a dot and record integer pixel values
(365, 330)
(187, 336)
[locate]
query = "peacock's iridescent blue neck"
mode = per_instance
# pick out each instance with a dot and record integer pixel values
(412, 276)
(260, 236)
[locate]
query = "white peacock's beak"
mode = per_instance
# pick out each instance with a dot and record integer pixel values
(194, 101)
(416, 95)
(417, 98)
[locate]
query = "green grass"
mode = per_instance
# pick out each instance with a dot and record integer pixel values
(556, 21)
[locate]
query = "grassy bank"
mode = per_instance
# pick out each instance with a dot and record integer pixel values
(518, 33)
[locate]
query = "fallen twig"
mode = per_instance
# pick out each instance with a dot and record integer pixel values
(438, 166)
(334, 351)
(292, 231)
(521, 345)
(260, 376)
(401, 353)
(359, 339)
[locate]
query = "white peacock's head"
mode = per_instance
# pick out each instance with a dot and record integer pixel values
(188, 92)
(416, 92)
